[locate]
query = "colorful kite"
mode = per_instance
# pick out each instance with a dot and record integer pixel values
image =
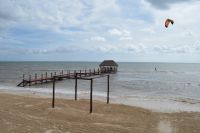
(168, 21)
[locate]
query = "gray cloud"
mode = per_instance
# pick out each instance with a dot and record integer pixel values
(164, 4)
(8, 11)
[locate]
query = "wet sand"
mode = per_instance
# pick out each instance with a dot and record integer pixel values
(22, 114)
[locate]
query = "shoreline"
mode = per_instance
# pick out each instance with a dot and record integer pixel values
(153, 104)
(24, 113)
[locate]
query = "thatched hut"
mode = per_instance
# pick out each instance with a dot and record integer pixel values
(108, 66)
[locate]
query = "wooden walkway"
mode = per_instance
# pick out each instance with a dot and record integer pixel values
(69, 75)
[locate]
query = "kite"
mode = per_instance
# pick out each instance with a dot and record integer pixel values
(168, 21)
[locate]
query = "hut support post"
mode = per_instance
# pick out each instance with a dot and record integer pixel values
(108, 89)
(91, 84)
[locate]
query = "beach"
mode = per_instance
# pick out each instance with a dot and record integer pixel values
(22, 113)
(141, 100)
(112, 66)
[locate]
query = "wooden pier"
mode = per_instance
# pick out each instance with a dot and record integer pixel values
(81, 75)
(106, 67)
(46, 78)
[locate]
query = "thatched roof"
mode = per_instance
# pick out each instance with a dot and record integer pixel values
(108, 63)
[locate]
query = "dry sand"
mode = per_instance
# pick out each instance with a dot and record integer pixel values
(24, 114)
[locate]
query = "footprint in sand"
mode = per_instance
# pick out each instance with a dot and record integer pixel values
(164, 127)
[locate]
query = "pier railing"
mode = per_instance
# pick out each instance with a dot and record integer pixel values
(69, 74)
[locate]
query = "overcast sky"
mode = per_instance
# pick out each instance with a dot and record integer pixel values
(94, 30)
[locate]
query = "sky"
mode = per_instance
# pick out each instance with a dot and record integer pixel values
(95, 30)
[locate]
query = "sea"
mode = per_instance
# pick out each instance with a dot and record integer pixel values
(172, 87)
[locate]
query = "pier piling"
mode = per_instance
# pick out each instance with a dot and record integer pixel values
(29, 80)
(76, 87)
(91, 89)
(35, 78)
(108, 88)
(23, 80)
(46, 77)
(41, 78)
(53, 99)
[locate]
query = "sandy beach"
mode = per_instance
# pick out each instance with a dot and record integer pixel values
(23, 113)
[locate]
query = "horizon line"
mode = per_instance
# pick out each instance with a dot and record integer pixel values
(97, 61)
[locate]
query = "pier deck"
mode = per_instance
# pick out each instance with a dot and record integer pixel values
(69, 75)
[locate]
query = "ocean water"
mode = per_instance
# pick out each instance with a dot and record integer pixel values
(173, 87)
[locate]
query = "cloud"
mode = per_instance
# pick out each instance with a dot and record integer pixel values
(61, 26)
(163, 49)
(164, 4)
(107, 48)
(117, 32)
(54, 15)
(36, 51)
(138, 48)
(148, 30)
(187, 49)
(188, 34)
(8, 11)
(128, 38)
(124, 35)
(98, 38)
